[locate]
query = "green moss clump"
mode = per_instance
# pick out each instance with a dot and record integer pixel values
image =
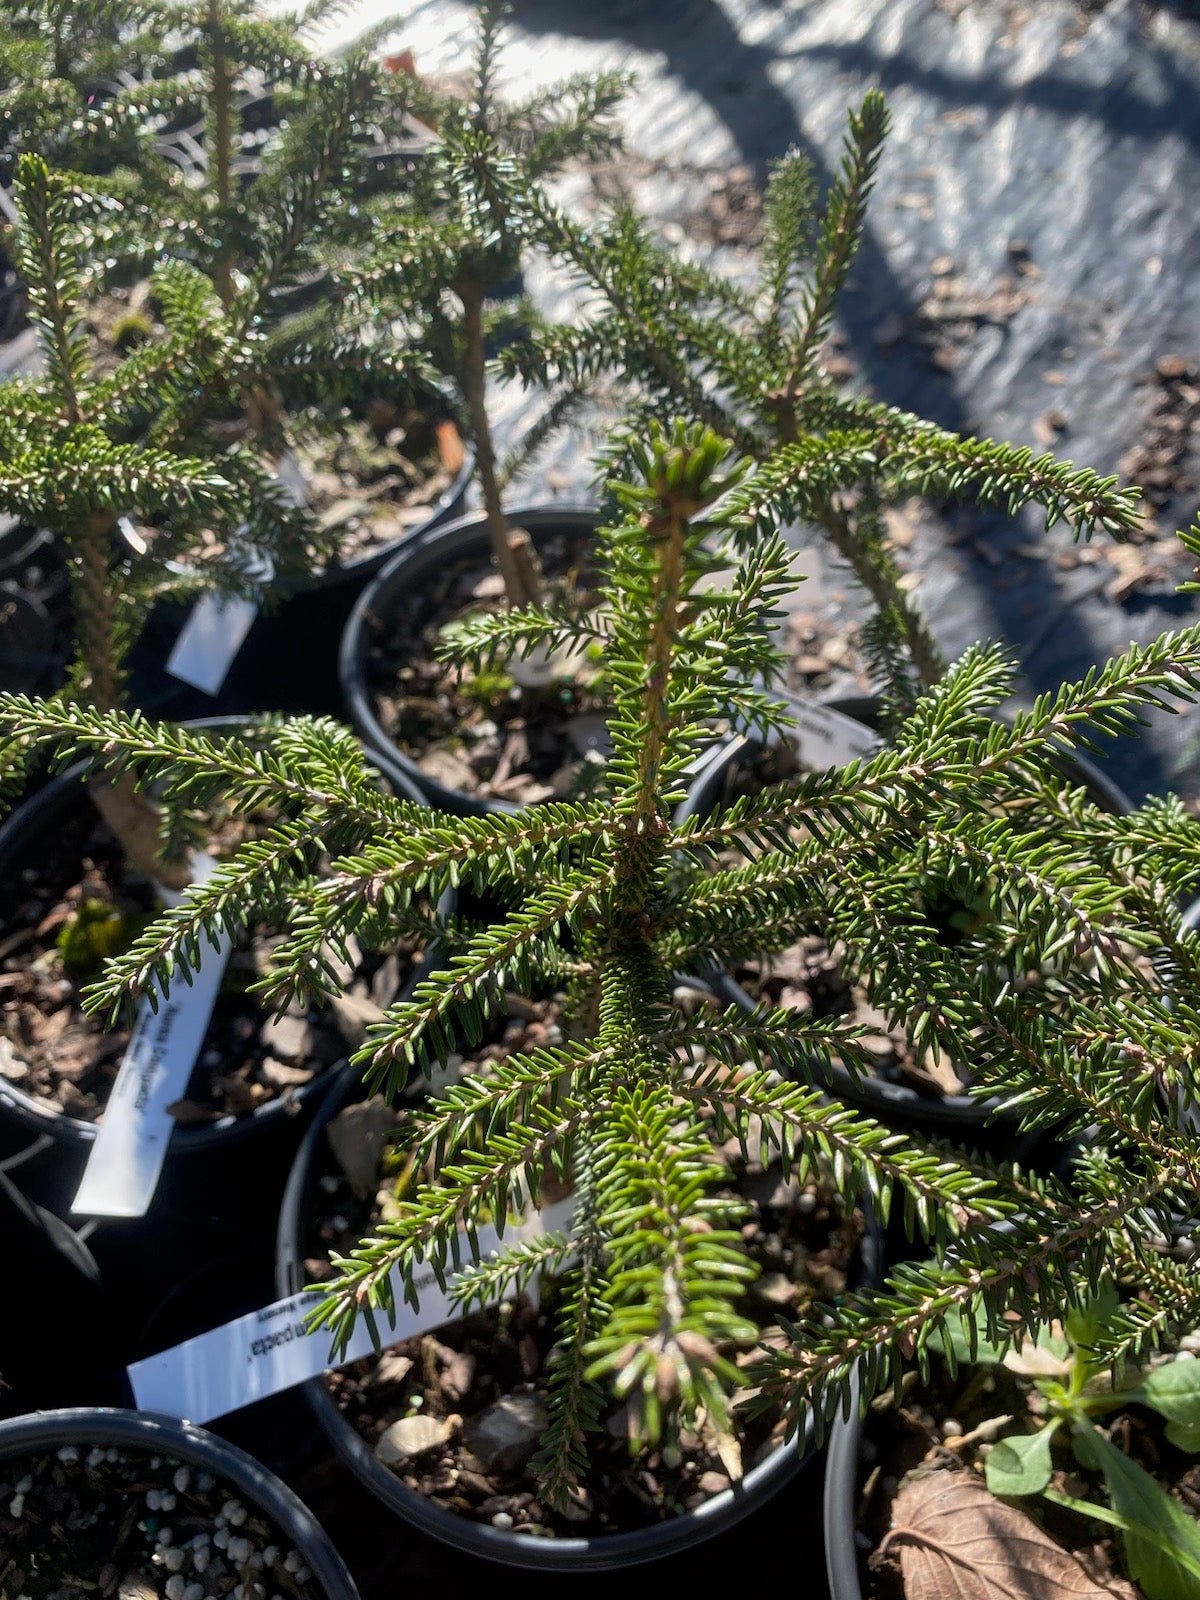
(93, 933)
(488, 686)
(130, 330)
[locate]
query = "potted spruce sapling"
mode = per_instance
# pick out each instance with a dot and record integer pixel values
(452, 240)
(85, 867)
(367, 440)
(682, 1136)
(750, 361)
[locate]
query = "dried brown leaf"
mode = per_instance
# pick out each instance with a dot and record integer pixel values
(956, 1541)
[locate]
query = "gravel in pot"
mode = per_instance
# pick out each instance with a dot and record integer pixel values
(113, 1503)
(444, 1427)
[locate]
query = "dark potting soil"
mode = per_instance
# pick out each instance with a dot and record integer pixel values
(80, 1523)
(367, 483)
(458, 1414)
(950, 1424)
(77, 901)
(480, 733)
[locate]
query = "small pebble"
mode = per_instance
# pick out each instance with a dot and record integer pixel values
(194, 1591)
(205, 1482)
(270, 1555)
(237, 1516)
(175, 1587)
(174, 1558)
(25, 1484)
(182, 1478)
(114, 1454)
(95, 1457)
(952, 1428)
(164, 1536)
(221, 1538)
(153, 1500)
(166, 1501)
(239, 1549)
(302, 1574)
(16, 1506)
(502, 1520)
(69, 1455)
(292, 1562)
(201, 1558)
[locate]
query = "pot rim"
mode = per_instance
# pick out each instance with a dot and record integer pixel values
(839, 1524)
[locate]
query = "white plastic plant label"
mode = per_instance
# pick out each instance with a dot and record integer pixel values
(210, 639)
(216, 628)
(824, 737)
(270, 1350)
(127, 1156)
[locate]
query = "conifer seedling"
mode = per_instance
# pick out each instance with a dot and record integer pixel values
(91, 442)
(609, 898)
(456, 234)
(749, 360)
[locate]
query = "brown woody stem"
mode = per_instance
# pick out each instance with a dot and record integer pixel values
(132, 817)
(516, 566)
(668, 530)
(222, 155)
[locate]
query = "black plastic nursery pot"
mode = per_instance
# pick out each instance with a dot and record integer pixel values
(895, 1103)
(840, 1521)
(360, 569)
(289, 659)
(512, 1548)
(24, 1116)
(418, 563)
(42, 1358)
(129, 1431)
(33, 591)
